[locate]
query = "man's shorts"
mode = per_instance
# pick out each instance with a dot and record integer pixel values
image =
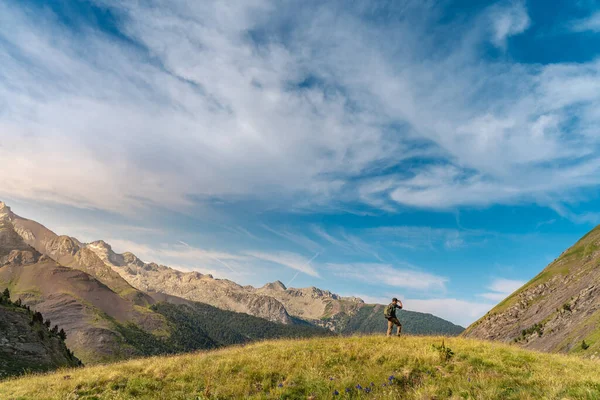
(394, 321)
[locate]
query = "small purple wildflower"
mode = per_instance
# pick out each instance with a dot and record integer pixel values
(368, 390)
(359, 387)
(331, 378)
(280, 385)
(384, 385)
(348, 390)
(336, 393)
(372, 383)
(391, 378)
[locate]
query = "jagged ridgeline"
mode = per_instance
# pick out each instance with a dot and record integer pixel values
(558, 310)
(105, 318)
(28, 342)
(115, 306)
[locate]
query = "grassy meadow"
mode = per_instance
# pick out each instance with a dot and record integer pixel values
(371, 367)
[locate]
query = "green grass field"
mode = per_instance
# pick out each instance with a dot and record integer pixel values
(372, 367)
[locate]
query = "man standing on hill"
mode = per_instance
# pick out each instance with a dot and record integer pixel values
(390, 315)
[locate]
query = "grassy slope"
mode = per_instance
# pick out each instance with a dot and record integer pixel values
(317, 367)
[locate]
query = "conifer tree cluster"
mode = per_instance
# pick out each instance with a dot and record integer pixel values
(36, 318)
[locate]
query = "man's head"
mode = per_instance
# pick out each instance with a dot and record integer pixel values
(395, 300)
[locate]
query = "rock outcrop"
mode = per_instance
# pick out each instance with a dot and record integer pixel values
(28, 346)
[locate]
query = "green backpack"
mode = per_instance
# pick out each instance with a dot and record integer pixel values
(389, 311)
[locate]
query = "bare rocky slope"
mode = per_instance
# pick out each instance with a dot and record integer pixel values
(29, 346)
(106, 318)
(221, 293)
(558, 310)
(86, 308)
(273, 301)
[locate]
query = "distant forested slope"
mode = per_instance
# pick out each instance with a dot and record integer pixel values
(197, 326)
(369, 319)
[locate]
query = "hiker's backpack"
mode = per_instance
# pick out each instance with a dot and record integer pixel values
(389, 310)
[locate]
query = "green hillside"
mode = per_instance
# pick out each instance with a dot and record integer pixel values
(369, 319)
(329, 368)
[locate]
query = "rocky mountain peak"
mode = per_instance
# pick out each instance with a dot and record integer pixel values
(5, 211)
(101, 244)
(277, 285)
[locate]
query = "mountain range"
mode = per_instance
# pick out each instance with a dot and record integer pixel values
(115, 306)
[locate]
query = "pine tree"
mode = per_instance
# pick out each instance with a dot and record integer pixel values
(5, 298)
(48, 323)
(62, 334)
(55, 330)
(37, 317)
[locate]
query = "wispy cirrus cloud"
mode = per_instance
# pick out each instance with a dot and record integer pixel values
(388, 275)
(589, 24)
(288, 259)
(508, 21)
(420, 237)
(296, 238)
(183, 256)
(208, 89)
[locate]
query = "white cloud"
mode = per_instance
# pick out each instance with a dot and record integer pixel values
(460, 312)
(419, 237)
(509, 21)
(501, 289)
(385, 274)
(287, 259)
(505, 285)
(184, 256)
(298, 239)
(197, 110)
(592, 23)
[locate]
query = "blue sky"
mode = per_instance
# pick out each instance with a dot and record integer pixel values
(441, 151)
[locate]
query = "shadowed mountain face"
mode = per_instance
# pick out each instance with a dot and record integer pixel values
(27, 345)
(557, 310)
